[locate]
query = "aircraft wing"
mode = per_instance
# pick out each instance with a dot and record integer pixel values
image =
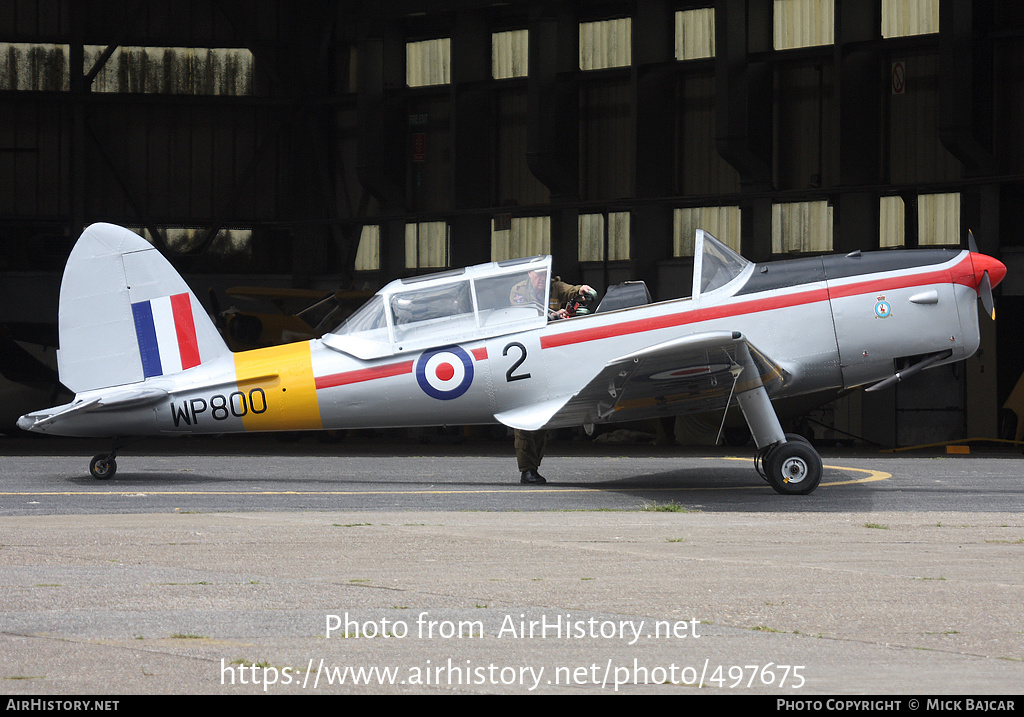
(697, 373)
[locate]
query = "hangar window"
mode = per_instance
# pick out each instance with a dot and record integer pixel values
(33, 66)
(901, 18)
(604, 236)
(426, 245)
(428, 62)
(803, 23)
(695, 33)
(516, 237)
(147, 70)
(607, 43)
(800, 227)
(938, 219)
(723, 222)
(171, 70)
(368, 253)
(510, 52)
(891, 222)
(235, 243)
(200, 71)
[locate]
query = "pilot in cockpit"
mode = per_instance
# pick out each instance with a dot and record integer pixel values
(531, 291)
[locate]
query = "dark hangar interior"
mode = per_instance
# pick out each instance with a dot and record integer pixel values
(341, 144)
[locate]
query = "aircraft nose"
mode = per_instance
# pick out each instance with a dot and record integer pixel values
(982, 263)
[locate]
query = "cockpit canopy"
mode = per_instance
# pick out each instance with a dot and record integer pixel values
(448, 307)
(715, 265)
(491, 300)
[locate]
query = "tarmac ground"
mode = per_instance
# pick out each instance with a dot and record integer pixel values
(425, 568)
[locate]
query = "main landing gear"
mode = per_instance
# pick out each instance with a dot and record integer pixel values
(791, 468)
(786, 460)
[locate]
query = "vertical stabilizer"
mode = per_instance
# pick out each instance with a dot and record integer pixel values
(126, 315)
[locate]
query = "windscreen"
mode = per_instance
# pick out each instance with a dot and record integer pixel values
(368, 319)
(719, 264)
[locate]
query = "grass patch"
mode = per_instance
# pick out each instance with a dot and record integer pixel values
(670, 507)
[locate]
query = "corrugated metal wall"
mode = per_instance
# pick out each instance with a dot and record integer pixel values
(203, 148)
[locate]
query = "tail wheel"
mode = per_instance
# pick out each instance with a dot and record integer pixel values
(103, 467)
(793, 468)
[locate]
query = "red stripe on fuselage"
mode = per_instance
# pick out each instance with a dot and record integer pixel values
(681, 319)
(363, 374)
(952, 274)
(371, 374)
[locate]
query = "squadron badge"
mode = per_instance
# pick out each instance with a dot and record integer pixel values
(882, 308)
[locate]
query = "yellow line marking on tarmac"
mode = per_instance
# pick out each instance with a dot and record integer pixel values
(144, 493)
(872, 476)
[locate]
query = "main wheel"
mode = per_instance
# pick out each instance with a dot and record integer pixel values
(793, 468)
(102, 467)
(761, 460)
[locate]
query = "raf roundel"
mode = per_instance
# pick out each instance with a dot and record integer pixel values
(444, 373)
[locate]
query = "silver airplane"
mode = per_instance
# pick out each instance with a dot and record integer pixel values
(465, 347)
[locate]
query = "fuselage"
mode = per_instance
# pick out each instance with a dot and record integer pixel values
(825, 322)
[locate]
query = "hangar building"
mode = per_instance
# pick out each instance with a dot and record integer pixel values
(337, 143)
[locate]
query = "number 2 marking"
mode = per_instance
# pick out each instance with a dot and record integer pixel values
(510, 375)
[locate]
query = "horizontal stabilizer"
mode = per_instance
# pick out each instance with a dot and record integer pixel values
(117, 400)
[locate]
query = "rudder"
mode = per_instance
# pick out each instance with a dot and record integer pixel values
(126, 315)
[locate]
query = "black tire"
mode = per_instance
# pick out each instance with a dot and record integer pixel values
(793, 468)
(102, 468)
(761, 460)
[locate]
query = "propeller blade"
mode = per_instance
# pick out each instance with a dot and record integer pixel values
(983, 264)
(985, 290)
